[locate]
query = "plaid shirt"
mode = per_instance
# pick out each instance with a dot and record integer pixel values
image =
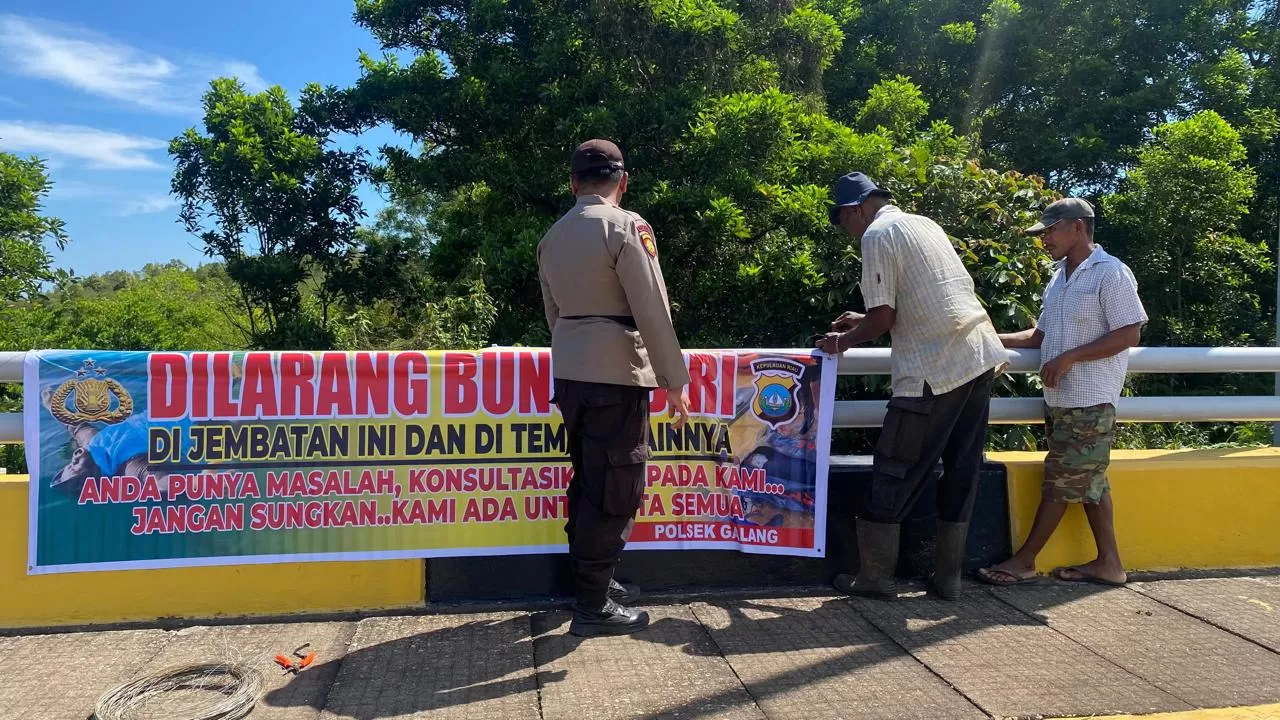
(942, 335)
(1100, 296)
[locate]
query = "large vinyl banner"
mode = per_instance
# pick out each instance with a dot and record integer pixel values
(148, 460)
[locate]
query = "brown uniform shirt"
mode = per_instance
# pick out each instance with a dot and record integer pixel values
(602, 260)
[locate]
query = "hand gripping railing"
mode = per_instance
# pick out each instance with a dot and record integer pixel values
(1004, 411)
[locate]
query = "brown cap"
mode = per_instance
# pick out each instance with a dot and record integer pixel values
(600, 155)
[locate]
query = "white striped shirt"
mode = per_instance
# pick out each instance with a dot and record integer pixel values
(1100, 296)
(941, 336)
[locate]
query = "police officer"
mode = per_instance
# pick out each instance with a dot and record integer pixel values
(612, 342)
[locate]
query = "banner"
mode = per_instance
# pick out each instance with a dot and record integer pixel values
(164, 459)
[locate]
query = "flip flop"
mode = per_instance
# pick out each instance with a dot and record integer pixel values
(983, 575)
(1060, 574)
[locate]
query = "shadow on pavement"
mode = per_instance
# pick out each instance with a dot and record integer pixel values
(855, 644)
(505, 658)
(477, 661)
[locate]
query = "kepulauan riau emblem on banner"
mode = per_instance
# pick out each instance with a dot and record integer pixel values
(776, 381)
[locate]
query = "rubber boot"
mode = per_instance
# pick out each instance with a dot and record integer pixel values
(877, 559)
(945, 581)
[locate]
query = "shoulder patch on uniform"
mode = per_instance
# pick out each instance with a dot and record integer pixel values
(646, 238)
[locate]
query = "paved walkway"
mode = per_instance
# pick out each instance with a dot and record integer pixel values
(1048, 650)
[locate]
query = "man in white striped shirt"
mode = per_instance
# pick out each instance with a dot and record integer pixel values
(945, 355)
(1091, 317)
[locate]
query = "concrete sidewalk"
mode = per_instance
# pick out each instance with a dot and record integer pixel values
(1046, 650)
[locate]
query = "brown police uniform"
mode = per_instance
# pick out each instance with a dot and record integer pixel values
(612, 341)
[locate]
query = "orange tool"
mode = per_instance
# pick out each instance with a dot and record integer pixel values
(294, 666)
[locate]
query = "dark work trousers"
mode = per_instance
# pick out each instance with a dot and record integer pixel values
(919, 430)
(607, 430)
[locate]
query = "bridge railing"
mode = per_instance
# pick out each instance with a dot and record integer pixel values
(1142, 360)
(1004, 411)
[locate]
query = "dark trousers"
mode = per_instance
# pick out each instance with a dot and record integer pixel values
(607, 430)
(917, 432)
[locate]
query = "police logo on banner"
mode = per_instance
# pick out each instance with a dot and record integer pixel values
(88, 397)
(776, 383)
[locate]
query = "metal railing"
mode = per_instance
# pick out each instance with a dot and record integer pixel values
(1142, 360)
(1004, 411)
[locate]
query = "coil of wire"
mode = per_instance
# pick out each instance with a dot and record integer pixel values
(207, 691)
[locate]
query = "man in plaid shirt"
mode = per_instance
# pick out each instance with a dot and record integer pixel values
(1091, 317)
(945, 356)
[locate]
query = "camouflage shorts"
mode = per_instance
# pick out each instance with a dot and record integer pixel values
(1075, 470)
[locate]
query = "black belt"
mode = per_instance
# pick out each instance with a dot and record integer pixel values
(627, 320)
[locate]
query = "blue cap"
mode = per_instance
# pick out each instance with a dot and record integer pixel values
(852, 189)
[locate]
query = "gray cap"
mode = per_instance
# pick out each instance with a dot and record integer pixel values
(1064, 209)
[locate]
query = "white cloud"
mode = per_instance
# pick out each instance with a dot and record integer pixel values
(76, 189)
(248, 75)
(102, 149)
(120, 201)
(101, 66)
(145, 205)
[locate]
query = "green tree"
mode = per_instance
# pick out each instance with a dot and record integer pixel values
(938, 44)
(25, 263)
(1177, 221)
(265, 192)
(408, 308)
(1073, 85)
(1245, 88)
(162, 307)
(894, 107)
(720, 110)
(1176, 218)
(1059, 88)
(498, 96)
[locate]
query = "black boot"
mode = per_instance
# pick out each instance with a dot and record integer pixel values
(623, 594)
(877, 559)
(945, 581)
(612, 619)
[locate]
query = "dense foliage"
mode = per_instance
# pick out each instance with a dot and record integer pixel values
(721, 111)
(25, 262)
(264, 193)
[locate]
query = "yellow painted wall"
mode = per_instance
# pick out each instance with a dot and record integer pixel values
(1174, 509)
(145, 595)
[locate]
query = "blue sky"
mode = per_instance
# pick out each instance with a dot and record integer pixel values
(99, 88)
